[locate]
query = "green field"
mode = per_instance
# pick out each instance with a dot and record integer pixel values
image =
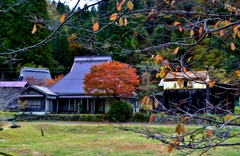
(86, 139)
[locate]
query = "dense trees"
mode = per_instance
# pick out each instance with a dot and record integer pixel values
(159, 36)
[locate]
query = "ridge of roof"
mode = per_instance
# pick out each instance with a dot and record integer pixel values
(92, 58)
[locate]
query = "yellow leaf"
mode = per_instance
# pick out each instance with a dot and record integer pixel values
(221, 33)
(184, 69)
(216, 24)
(191, 33)
(176, 23)
(162, 74)
(179, 82)
(211, 83)
(155, 103)
(185, 118)
(232, 46)
(180, 129)
(234, 35)
(180, 28)
(144, 99)
(176, 50)
(130, 5)
(113, 17)
(34, 28)
(120, 21)
(95, 26)
(62, 18)
(200, 31)
(206, 35)
(214, 148)
(125, 21)
(237, 73)
(189, 59)
(227, 22)
(228, 117)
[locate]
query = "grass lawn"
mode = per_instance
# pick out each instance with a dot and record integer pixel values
(87, 139)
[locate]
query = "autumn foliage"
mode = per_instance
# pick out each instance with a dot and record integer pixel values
(112, 79)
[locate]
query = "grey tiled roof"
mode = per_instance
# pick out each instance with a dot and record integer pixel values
(92, 58)
(45, 90)
(37, 73)
(72, 83)
(19, 84)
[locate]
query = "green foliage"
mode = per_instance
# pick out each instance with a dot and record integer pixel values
(120, 111)
(140, 117)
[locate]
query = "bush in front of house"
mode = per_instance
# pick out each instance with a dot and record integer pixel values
(140, 117)
(120, 111)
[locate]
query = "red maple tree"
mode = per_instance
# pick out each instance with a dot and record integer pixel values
(112, 79)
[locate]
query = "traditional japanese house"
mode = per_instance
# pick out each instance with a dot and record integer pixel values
(71, 95)
(37, 100)
(189, 92)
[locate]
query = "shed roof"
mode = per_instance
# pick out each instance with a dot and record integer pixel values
(72, 83)
(18, 84)
(188, 75)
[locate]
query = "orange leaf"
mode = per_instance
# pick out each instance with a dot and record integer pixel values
(176, 50)
(211, 83)
(170, 148)
(95, 26)
(232, 46)
(119, 6)
(228, 117)
(120, 21)
(179, 82)
(227, 22)
(209, 133)
(200, 31)
(174, 75)
(191, 33)
(62, 17)
(151, 118)
(184, 69)
(169, 67)
(130, 5)
(221, 33)
(113, 17)
(185, 118)
(180, 28)
(235, 28)
(34, 28)
(125, 21)
(176, 23)
(238, 34)
(216, 25)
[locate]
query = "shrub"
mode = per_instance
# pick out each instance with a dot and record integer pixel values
(139, 117)
(120, 111)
